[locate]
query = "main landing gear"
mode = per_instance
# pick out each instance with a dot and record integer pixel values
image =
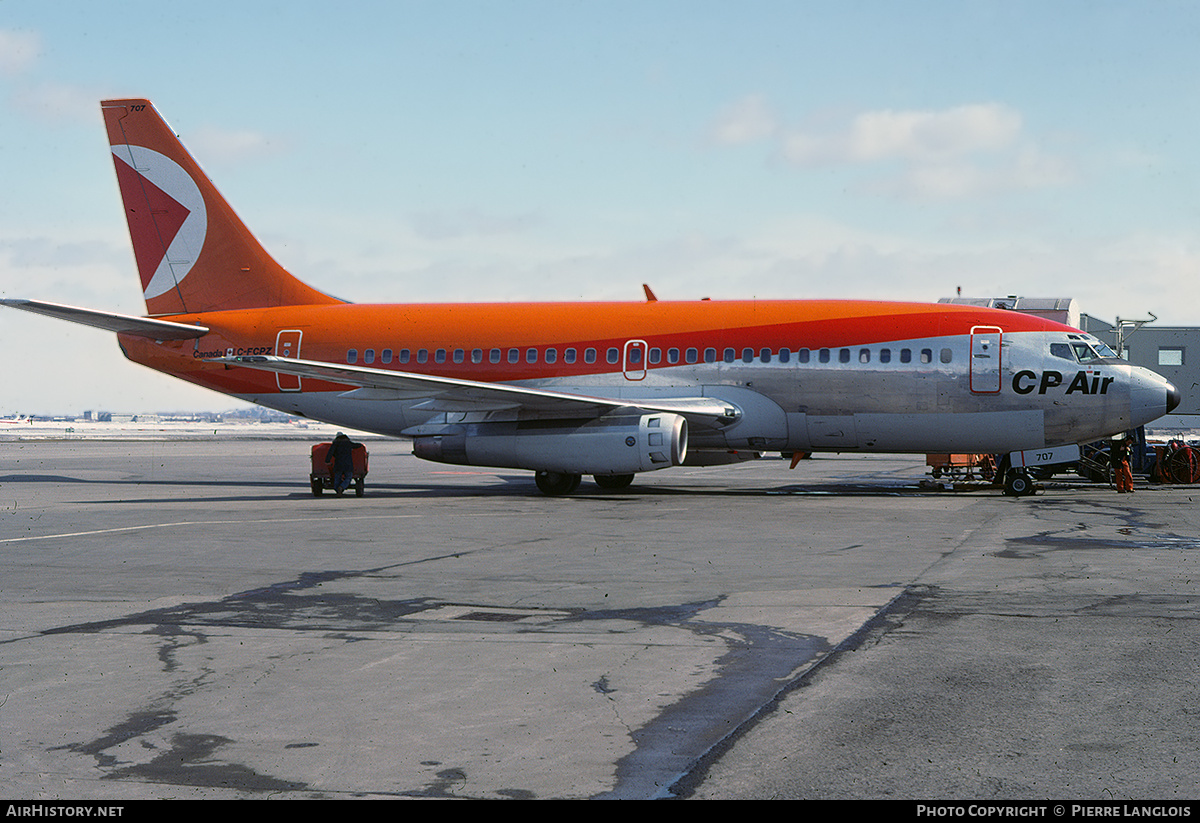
(613, 482)
(559, 483)
(556, 483)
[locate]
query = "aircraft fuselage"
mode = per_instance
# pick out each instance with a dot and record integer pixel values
(804, 375)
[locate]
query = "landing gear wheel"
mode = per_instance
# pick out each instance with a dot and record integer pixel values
(317, 487)
(613, 481)
(1018, 484)
(358, 487)
(556, 483)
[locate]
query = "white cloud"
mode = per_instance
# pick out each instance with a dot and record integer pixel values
(964, 151)
(915, 136)
(467, 223)
(746, 121)
(1025, 168)
(18, 50)
(58, 102)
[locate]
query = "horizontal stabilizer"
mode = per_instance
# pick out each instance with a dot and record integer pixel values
(110, 321)
(447, 394)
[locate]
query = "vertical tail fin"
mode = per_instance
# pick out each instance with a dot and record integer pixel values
(193, 253)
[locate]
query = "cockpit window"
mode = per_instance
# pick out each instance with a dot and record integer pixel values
(1083, 352)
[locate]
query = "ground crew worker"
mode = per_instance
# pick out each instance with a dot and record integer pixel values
(1122, 474)
(341, 455)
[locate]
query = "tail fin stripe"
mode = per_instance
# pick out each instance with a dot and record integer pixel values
(153, 227)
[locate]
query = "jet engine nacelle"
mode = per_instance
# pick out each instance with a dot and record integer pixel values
(616, 444)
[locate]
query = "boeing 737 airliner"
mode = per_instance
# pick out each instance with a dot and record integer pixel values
(602, 389)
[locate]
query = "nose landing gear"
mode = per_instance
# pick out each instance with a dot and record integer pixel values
(1017, 483)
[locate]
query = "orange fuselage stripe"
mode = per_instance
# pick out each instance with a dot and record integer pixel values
(329, 331)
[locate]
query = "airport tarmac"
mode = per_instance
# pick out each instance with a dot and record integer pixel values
(182, 618)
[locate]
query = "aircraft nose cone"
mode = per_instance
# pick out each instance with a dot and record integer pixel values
(1150, 396)
(1174, 397)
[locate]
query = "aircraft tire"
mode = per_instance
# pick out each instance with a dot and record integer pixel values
(613, 482)
(1018, 484)
(359, 484)
(556, 483)
(317, 488)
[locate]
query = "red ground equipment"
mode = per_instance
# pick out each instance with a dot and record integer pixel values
(1176, 462)
(962, 466)
(321, 475)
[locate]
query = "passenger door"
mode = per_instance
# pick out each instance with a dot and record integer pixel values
(634, 360)
(985, 359)
(287, 344)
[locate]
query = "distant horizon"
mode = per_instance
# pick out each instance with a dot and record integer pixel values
(6, 416)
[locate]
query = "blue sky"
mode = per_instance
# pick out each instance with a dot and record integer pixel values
(445, 151)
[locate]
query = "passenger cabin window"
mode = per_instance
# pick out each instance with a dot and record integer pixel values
(710, 355)
(947, 355)
(765, 355)
(803, 355)
(784, 355)
(691, 355)
(369, 356)
(589, 355)
(476, 355)
(747, 355)
(906, 355)
(569, 356)
(672, 356)
(422, 355)
(613, 355)
(531, 355)
(404, 355)
(459, 355)
(843, 355)
(439, 356)
(513, 356)
(885, 355)
(551, 355)
(926, 355)
(655, 356)
(864, 355)
(730, 356)
(385, 356)
(494, 356)
(352, 355)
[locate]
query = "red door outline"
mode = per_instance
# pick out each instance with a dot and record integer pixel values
(985, 359)
(287, 344)
(635, 369)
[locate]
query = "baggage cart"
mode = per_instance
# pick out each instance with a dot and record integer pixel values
(321, 474)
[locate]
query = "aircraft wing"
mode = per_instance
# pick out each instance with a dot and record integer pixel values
(448, 394)
(110, 321)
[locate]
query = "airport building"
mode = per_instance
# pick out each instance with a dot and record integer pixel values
(1163, 349)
